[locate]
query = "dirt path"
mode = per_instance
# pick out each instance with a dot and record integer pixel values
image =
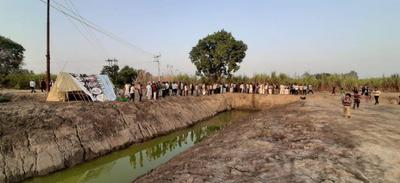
(308, 141)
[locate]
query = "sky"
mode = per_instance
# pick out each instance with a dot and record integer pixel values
(287, 36)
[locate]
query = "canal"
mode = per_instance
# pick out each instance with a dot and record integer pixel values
(126, 165)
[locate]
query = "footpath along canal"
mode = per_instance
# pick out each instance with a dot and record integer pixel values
(128, 164)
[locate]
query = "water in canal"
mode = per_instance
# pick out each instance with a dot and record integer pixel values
(126, 165)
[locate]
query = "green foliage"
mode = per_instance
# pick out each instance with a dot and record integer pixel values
(185, 78)
(20, 79)
(218, 55)
(127, 75)
(111, 71)
(11, 56)
(325, 81)
(120, 77)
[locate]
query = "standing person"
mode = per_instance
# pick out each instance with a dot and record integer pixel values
(376, 94)
(204, 88)
(346, 101)
(310, 89)
(186, 90)
(287, 90)
(148, 91)
(178, 90)
(167, 92)
(334, 90)
(196, 89)
(367, 94)
(127, 87)
(181, 88)
(266, 89)
(154, 90)
(139, 91)
(357, 99)
(43, 85)
(174, 88)
(300, 89)
(191, 86)
(32, 85)
(270, 87)
(363, 90)
(132, 92)
(296, 89)
(281, 89)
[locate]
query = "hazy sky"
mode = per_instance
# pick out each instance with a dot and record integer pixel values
(290, 36)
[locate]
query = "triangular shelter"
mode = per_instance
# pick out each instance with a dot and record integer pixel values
(82, 87)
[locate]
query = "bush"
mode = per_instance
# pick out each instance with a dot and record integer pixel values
(21, 80)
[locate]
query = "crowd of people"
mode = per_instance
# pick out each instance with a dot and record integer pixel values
(156, 90)
(348, 99)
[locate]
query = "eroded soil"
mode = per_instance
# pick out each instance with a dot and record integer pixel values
(309, 141)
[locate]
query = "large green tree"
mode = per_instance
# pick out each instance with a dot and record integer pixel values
(11, 56)
(120, 77)
(218, 55)
(111, 71)
(127, 75)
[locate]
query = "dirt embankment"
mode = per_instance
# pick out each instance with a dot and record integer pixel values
(38, 138)
(308, 141)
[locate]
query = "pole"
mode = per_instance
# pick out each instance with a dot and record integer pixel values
(157, 59)
(159, 76)
(48, 48)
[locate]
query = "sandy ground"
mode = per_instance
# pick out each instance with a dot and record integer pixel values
(309, 141)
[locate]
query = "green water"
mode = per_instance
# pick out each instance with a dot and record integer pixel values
(126, 165)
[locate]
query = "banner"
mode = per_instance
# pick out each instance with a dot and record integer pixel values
(98, 87)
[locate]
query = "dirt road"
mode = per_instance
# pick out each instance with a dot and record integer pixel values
(308, 141)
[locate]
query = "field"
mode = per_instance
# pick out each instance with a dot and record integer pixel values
(309, 141)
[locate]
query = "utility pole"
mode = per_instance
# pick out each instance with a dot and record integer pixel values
(48, 48)
(157, 59)
(112, 62)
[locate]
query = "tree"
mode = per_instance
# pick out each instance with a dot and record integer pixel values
(144, 76)
(218, 55)
(352, 74)
(127, 75)
(11, 56)
(111, 71)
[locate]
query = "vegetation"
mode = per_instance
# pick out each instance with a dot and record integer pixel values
(120, 77)
(20, 79)
(320, 81)
(218, 55)
(11, 56)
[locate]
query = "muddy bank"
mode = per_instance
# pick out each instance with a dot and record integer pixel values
(307, 141)
(38, 138)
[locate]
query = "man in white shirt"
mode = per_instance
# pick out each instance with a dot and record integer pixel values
(148, 91)
(132, 93)
(32, 85)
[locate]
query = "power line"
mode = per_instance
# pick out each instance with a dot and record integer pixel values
(89, 36)
(93, 26)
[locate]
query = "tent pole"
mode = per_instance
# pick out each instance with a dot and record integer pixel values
(73, 94)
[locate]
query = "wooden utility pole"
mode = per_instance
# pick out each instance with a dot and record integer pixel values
(48, 79)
